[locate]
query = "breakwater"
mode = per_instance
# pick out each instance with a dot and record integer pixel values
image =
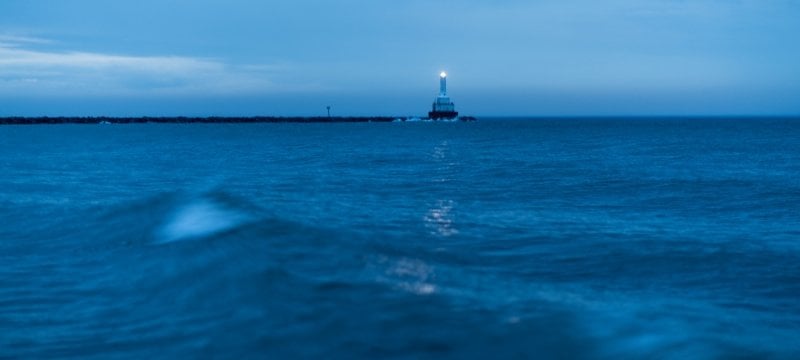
(212, 119)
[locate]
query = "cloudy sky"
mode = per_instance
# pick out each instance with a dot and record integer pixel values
(381, 57)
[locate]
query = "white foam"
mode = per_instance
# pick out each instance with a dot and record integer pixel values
(413, 276)
(199, 219)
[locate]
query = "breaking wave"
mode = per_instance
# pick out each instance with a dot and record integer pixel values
(213, 266)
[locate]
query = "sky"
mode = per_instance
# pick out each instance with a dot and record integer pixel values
(381, 57)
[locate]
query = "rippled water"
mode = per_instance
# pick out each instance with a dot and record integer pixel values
(562, 238)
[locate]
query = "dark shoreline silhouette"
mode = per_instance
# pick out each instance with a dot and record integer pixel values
(212, 119)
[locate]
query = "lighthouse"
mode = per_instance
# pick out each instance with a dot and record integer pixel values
(443, 108)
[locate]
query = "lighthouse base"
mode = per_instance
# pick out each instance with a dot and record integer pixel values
(439, 115)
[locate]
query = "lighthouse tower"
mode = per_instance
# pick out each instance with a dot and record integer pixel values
(443, 108)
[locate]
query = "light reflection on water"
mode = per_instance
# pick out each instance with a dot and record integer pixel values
(440, 219)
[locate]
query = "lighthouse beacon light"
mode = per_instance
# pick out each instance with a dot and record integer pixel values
(443, 108)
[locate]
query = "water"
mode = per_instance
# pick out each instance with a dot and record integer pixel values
(562, 238)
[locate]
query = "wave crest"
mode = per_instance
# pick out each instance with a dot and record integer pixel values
(200, 218)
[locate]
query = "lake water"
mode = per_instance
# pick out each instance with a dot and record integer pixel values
(502, 238)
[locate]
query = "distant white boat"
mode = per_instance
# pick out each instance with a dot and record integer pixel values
(104, 123)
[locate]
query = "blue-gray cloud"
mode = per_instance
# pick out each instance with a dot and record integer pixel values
(33, 72)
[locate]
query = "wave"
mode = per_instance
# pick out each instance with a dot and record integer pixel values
(179, 268)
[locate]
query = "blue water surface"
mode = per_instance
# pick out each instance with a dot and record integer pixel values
(502, 238)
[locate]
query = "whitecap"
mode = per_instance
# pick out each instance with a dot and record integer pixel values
(198, 219)
(412, 275)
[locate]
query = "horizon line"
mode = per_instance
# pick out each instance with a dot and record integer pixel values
(255, 117)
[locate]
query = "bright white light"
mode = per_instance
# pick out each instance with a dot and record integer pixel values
(443, 74)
